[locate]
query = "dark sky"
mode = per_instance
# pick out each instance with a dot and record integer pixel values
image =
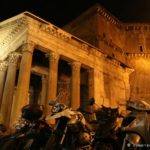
(60, 12)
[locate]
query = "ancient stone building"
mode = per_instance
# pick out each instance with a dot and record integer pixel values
(39, 60)
(129, 43)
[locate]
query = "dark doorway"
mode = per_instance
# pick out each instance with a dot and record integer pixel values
(83, 87)
(35, 89)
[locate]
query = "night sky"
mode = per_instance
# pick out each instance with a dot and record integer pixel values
(60, 12)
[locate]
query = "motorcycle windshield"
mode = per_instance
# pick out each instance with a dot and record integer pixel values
(138, 105)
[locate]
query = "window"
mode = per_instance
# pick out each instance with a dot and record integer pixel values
(104, 35)
(141, 49)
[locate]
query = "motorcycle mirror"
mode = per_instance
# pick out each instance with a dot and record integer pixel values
(52, 102)
(91, 101)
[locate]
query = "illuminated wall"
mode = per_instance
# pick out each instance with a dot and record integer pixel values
(126, 42)
(140, 78)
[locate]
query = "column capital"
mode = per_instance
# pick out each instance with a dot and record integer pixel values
(53, 56)
(76, 65)
(3, 66)
(43, 77)
(28, 47)
(13, 57)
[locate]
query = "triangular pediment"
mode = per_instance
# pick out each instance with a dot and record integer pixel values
(12, 34)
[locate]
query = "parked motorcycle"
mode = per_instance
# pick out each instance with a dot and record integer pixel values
(135, 126)
(9, 141)
(31, 131)
(70, 131)
(106, 132)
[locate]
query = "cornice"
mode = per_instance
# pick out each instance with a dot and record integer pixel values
(136, 55)
(125, 26)
(144, 27)
(55, 31)
(106, 14)
(67, 37)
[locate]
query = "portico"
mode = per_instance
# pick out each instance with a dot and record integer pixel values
(52, 46)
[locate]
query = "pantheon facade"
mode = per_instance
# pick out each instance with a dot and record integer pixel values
(95, 55)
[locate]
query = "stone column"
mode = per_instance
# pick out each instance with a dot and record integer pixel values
(7, 99)
(52, 79)
(44, 90)
(99, 92)
(3, 69)
(114, 91)
(127, 91)
(127, 83)
(75, 87)
(22, 90)
(91, 83)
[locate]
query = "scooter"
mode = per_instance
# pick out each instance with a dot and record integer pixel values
(70, 131)
(135, 126)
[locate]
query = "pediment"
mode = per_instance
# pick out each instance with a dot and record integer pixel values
(12, 34)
